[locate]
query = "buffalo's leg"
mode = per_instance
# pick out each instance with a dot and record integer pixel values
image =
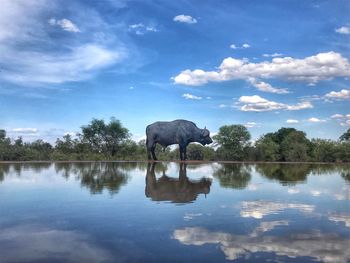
(153, 153)
(150, 145)
(181, 150)
(185, 153)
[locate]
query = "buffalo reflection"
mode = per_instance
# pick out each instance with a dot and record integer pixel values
(176, 190)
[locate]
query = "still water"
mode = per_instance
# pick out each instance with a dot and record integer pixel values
(136, 212)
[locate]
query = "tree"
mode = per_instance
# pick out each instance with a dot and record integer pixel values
(324, 150)
(232, 140)
(104, 138)
(267, 149)
(295, 147)
(345, 136)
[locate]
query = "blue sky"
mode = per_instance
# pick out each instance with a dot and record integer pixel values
(263, 64)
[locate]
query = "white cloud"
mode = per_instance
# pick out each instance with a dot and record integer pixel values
(222, 106)
(258, 104)
(263, 86)
(313, 119)
(291, 121)
(65, 24)
(189, 96)
(313, 69)
(344, 94)
(78, 64)
(344, 120)
(32, 55)
(141, 29)
(234, 46)
(185, 19)
(273, 55)
(250, 124)
(25, 130)
(337, 116)
(345, 30)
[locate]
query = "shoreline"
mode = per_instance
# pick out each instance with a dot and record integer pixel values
(173, 161)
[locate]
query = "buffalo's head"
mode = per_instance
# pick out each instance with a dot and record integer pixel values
(205, 137)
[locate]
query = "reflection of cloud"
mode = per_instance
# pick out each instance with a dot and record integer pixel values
(34, 243)
(259, 209)
(315, 193)
(267, 226)
(293, 191)
(343, 194)
(323, 247)
(190, 216)
(341, 218)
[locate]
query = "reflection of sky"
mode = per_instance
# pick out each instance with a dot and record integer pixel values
(36, 243)
(40, 209)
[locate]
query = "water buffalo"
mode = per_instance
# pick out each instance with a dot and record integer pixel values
(179, 132)
(176, 190)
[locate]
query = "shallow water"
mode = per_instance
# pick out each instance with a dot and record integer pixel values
(134, 212)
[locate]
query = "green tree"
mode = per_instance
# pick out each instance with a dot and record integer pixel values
(267, 149)
(295, 147)
(104, 138)
(232, 140)
(324, 150)
(345, 136)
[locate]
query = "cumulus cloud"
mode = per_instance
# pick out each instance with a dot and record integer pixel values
(65, 24)
(185, 19)
(345, 30)
(313, 119)
(344, 94)
(323, 66)
(263, 86)
(291, 121)
(189, 96)
(344, 120)
(222, 106)
(337, 116)
(258, 104)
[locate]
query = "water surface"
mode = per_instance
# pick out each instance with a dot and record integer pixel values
(135, 212)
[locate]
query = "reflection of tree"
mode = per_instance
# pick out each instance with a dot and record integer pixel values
(235, 176)
(177, 190)
(286, 174)
(17, 168)
(98, 176)
(4, 169)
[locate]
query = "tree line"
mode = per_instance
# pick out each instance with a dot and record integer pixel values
(99, 140)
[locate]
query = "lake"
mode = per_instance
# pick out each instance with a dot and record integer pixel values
(171, 212)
